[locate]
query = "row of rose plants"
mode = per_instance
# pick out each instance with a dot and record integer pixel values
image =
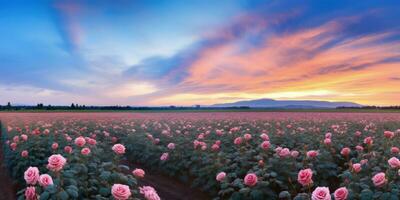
(69, 159)
(256, 159)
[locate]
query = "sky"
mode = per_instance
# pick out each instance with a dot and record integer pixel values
(174, 52)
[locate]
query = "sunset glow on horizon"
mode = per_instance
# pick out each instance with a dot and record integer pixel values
(154, 53)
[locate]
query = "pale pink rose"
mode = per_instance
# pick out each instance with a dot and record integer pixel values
(358, 133)
(285, 152)
(120, 191)
(395, 150)
(379, 179)
(171, 146)
(304, 177)
(139, 173)
(364, 161)
(68, 149)
(56, 162)
(345, 151)
(327, 141)
(24, 153)
(359, 148)
(85, 151)
(278, 149)
(368, 140)
(250, 179)
(45, 180)
(119, 149)
(394, 162)
(30, 193)
(238, 141)
(321, 193)
(294, 154)
(24, 137)
(264, 136)
(328, 135)
(54, 146)
(265, 145)
(157, 140)
(341, 194)
(16, 139)
(220, 176)
(31, 175)
(247, 137)
(149, 193)
(204, 147)
(215, 147)
(164, 156)
(356, 167)
(388, 134)
(80, 141)
(312, 154)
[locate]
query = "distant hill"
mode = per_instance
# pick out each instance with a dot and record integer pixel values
(271, 103)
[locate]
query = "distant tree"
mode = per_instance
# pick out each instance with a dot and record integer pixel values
(9, 105)
(72, 106)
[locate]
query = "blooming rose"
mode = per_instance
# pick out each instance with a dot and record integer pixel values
(321, 193)
(368, 140)
(264, 136)
(24, 137)
(139, 173)
(305, 177)
(379, 179)
(85, 151)
(395, 150)
(250, 179)
(294, 154)
(68, 149)
(13, 146)
(388, 134)
(359, 148)
(215, 147)
(238, 141)
(149, 193)
(328, 135)
(356, 167)
(31, 175)
(220, 176)
(56, 162)
(171, 146)
(164, 156)
(80, 141)
(120, 191)
(265, 145)
(394, 162)
(24, 153)
(358, 133)
(312, 154)
(30, 193)
(45, 180)
(285, 152)
(247, 137)
(345, 151)
(327, 141)
(119, 149)
(54, 146)
(341, 193)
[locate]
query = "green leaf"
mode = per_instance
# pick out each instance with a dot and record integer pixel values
(44, 196)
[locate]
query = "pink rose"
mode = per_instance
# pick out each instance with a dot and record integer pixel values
(285, 152)
(379, 179)
(149, 193)
(92, 141)
(345, 151)
(321, 193)
(264, 136)
(368, 140)
(80, 141)
(24, 153)
(119, 149)
(220, 176)
(54, 146)
(312, 154)
(238, 141)
(247, 137)
(139, 173)
(341, 193)
(13, 146)
(364, 161)
(45, 180)
(357, 133)
(56, 162)
(24, 137)
(305, 177)
(30, 193)
(164, 156)
(356, 167)
(359, 148)
(388, 134)
(265, 145)
(215, 147)
(394, 162)
(294, 154)
(85, 151)
(31, 175)
(250, 179)
(120, 191)
(68, 149)
(328, 135)
(395, 150)
(171, 146)
(327, 141)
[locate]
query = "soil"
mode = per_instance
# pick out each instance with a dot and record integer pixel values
(169, 188)
(7, 188)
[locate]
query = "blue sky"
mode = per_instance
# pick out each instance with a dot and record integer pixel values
(198, 52)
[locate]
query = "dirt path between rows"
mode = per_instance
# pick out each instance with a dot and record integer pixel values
(167, 187)
(7, 188)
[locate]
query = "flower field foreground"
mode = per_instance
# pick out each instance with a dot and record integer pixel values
(317, 156)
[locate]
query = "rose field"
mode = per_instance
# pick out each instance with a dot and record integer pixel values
(203, 155)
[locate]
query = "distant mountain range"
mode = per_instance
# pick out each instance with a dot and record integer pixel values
(271, 103)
